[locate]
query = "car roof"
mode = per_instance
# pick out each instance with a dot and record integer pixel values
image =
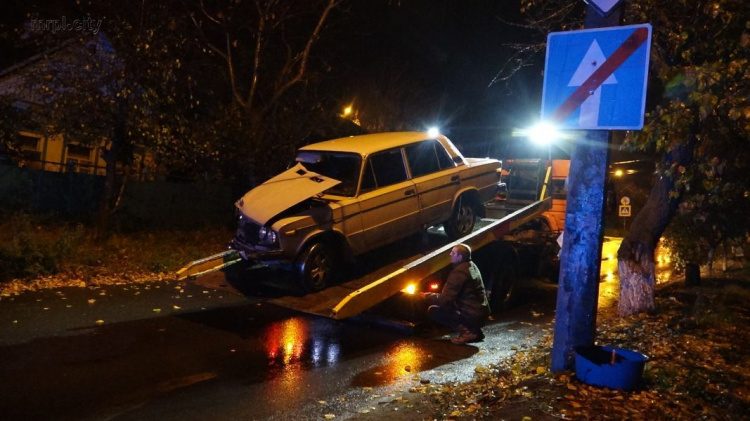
(369, 143)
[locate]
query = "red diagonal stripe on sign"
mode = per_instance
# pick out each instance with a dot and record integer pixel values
(623, 52)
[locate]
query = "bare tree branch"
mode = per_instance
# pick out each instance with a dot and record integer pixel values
(208, 15)
(226, 55)
(232, 76)
(256, 60)
(306, 53)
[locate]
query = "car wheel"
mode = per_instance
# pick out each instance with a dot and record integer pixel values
(462, 220)
(316, 268)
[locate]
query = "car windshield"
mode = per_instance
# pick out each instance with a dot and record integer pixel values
(340, 166)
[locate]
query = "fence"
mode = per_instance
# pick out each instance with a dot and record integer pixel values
(145, 204)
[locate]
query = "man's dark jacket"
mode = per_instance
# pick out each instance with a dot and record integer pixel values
(464, 289)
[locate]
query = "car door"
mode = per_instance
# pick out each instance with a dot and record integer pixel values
(388, 199)
(436, 179)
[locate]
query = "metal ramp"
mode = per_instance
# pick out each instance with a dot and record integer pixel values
(322, 303)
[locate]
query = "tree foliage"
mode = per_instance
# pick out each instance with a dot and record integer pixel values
(698, 120)
(220, 89)
(127, 77)
(701, 70)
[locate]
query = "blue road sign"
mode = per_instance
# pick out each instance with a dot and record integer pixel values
(595, 79)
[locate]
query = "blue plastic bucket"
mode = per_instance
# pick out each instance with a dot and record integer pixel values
(611, 367)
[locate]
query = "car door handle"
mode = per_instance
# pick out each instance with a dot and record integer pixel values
(409, 193)
(454, 178)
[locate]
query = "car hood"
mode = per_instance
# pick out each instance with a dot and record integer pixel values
(282, 192)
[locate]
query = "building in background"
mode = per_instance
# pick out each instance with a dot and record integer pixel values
(39, 147)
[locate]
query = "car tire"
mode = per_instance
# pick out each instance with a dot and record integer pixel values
(317, 267)
(461, 222)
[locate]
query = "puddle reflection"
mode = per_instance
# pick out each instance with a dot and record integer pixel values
(299, 340)
(296, 342)
(403, 359)
(293, 346)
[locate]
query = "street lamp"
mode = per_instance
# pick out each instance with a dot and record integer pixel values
(349, 113)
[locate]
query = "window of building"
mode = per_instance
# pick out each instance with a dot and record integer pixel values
(79, 152)
(29, 142)
(30, 147)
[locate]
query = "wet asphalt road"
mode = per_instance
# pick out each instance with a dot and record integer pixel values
(173, 351)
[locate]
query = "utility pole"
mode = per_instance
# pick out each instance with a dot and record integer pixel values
(580, 258)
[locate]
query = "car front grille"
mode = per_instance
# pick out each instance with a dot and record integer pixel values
(247, 232)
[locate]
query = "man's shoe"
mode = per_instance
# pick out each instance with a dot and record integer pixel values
(465, 337)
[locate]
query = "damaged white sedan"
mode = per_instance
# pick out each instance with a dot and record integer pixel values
(347, 196)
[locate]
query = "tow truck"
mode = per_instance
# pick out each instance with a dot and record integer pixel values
(494, 243)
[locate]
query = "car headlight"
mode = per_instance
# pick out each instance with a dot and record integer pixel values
(267, 235)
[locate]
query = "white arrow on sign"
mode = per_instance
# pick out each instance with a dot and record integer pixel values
(590, 107)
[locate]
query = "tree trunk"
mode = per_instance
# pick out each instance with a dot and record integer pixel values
(692, 274)
(106, 204)
(636, 263)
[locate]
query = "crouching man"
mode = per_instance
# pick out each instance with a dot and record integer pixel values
(462, 305)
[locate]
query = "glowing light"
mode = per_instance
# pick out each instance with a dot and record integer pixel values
(433, 131)
(434, 286)
(618, 173)
(411, 289)
(543, 133)
(347, 110)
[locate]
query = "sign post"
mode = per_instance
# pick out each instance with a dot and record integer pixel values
(624, 211)
(581, 96)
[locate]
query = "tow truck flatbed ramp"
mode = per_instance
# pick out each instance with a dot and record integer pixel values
(321, 303)
(354, 297)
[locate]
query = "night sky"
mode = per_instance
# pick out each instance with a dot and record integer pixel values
(458, 48)
(454, 49)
